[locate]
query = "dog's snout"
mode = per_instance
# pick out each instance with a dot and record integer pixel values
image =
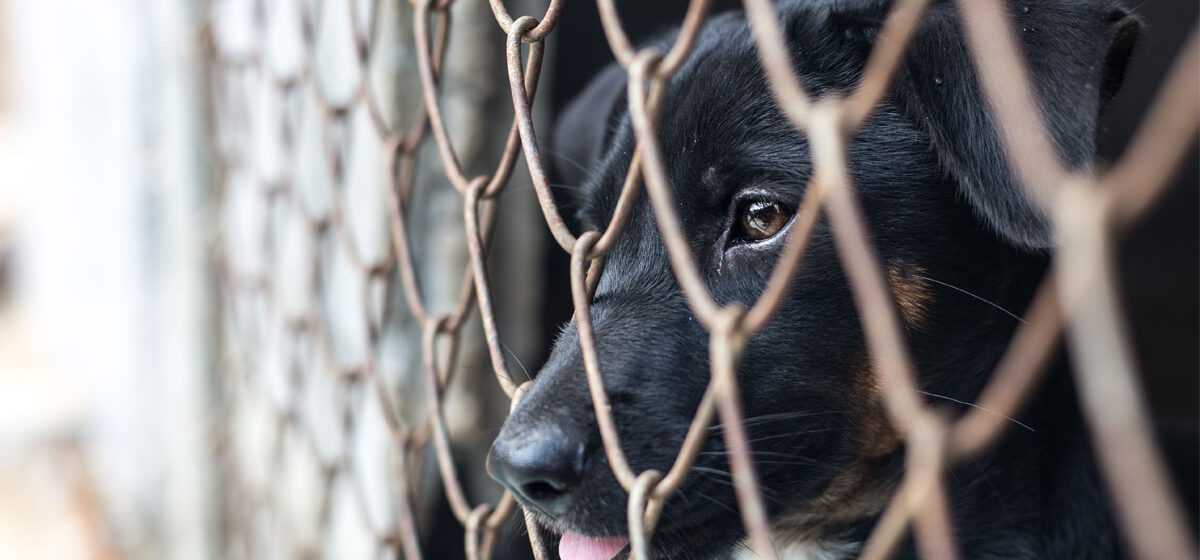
(542, 465)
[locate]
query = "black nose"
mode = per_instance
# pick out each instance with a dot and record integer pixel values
(541, 464)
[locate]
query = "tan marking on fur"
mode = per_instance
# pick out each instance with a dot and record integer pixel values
(859, 491)
(913, 294)
(852, 495)
(874, 435)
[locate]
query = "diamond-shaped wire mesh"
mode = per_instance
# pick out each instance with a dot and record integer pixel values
(310, 151)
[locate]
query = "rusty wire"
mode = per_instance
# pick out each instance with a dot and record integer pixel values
(1077, 297)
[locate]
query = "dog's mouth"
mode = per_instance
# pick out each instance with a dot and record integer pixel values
(673, 540)
(577, 546)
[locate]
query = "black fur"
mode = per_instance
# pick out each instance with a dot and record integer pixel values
(946, 215)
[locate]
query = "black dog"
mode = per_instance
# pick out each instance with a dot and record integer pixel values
(962, 248)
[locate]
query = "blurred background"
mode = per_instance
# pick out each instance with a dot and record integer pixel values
(196, 279)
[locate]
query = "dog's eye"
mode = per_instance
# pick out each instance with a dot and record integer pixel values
(761, 219)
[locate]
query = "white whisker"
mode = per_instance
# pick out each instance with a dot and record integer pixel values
(973, 405)
(977, 297)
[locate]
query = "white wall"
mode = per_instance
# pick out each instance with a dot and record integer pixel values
(101, 177)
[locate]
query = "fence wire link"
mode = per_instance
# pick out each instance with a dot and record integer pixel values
(1078, 297)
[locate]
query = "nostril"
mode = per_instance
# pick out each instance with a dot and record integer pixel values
(542, 490)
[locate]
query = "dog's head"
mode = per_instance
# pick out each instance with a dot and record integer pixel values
(961, 248)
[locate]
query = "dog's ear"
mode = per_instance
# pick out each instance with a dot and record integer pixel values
(1075, 52)
(1125, 27)
(585, 126)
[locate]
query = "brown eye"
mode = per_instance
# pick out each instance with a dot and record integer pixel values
(760, 219)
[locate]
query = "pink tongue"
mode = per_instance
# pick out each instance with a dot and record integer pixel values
(574, 546)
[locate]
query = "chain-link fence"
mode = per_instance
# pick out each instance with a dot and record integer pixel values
(313, 278)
